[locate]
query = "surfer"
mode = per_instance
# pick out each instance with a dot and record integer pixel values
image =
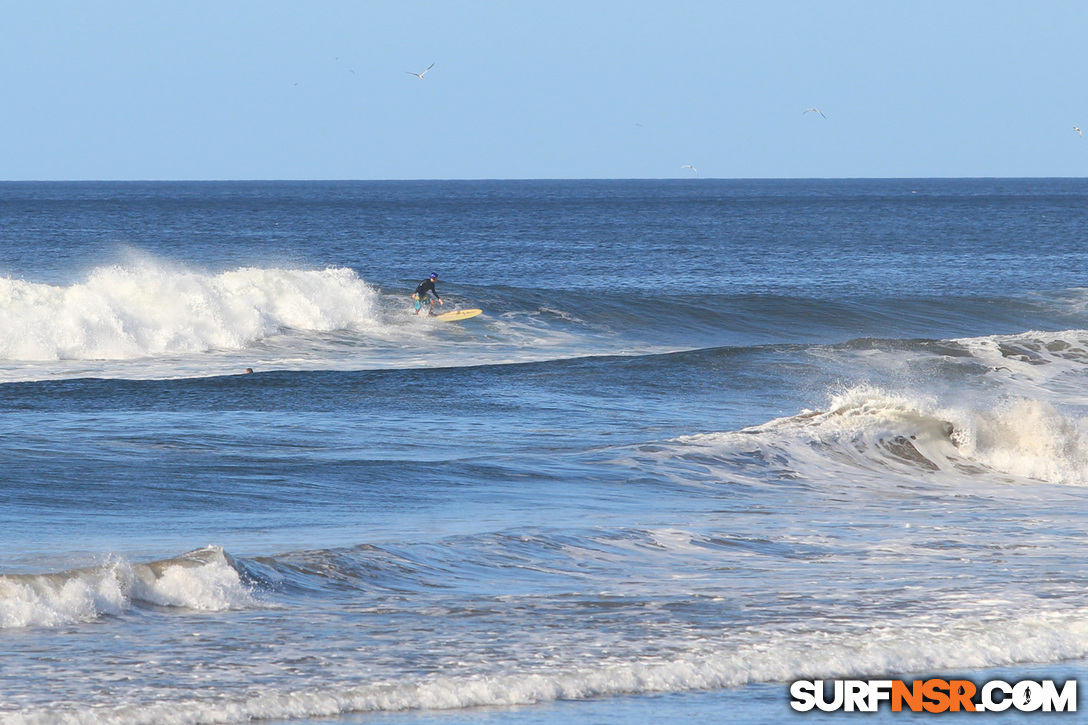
(420, 295)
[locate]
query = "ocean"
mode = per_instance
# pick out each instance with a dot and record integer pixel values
(707, 438)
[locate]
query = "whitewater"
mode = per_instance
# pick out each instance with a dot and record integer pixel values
(706, 439)
(157, 320)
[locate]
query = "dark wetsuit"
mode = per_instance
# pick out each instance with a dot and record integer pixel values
(420, 295)
(426, 286)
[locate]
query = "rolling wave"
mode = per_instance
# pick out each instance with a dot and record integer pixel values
(153, 319)
(204, 579)
(156, 320)
(122, 313)
(869, 429)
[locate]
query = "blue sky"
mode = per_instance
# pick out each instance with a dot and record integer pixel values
(557, 89)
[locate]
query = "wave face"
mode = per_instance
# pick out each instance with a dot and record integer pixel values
(705, 439)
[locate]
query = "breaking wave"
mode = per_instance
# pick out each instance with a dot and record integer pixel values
(202, 580)
(124, 313)
(869, 429)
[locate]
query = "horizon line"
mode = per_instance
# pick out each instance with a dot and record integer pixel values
(519, 179)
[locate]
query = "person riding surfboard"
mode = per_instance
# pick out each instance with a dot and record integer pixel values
(420, 297)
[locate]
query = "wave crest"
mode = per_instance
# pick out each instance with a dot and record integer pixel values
(205, 579)
(123, 313)
(867, 429)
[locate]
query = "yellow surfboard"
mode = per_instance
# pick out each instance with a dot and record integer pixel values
(457, 315)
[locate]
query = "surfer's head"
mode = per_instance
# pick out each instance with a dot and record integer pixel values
(434, 275)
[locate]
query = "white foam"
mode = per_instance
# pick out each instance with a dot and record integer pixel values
(1029, 439)
(868, 429)
(922, 648)
(201, 580)
(1035, 364)
(54, 600)
(152, 320)
(124, 313)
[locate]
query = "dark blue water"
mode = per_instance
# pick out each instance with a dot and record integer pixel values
(706, 436)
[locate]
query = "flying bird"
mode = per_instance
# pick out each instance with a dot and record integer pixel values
(420, 75)
(813, 110)
(689, 166)
(1077, 129)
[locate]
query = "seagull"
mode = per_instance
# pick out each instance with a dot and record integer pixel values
(420, 75)
(1077, 129)
(689, 166)
(814, 110)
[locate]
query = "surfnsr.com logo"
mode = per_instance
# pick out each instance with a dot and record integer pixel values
(933, 695)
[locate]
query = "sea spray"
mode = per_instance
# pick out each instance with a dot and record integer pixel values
(1030, 439)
